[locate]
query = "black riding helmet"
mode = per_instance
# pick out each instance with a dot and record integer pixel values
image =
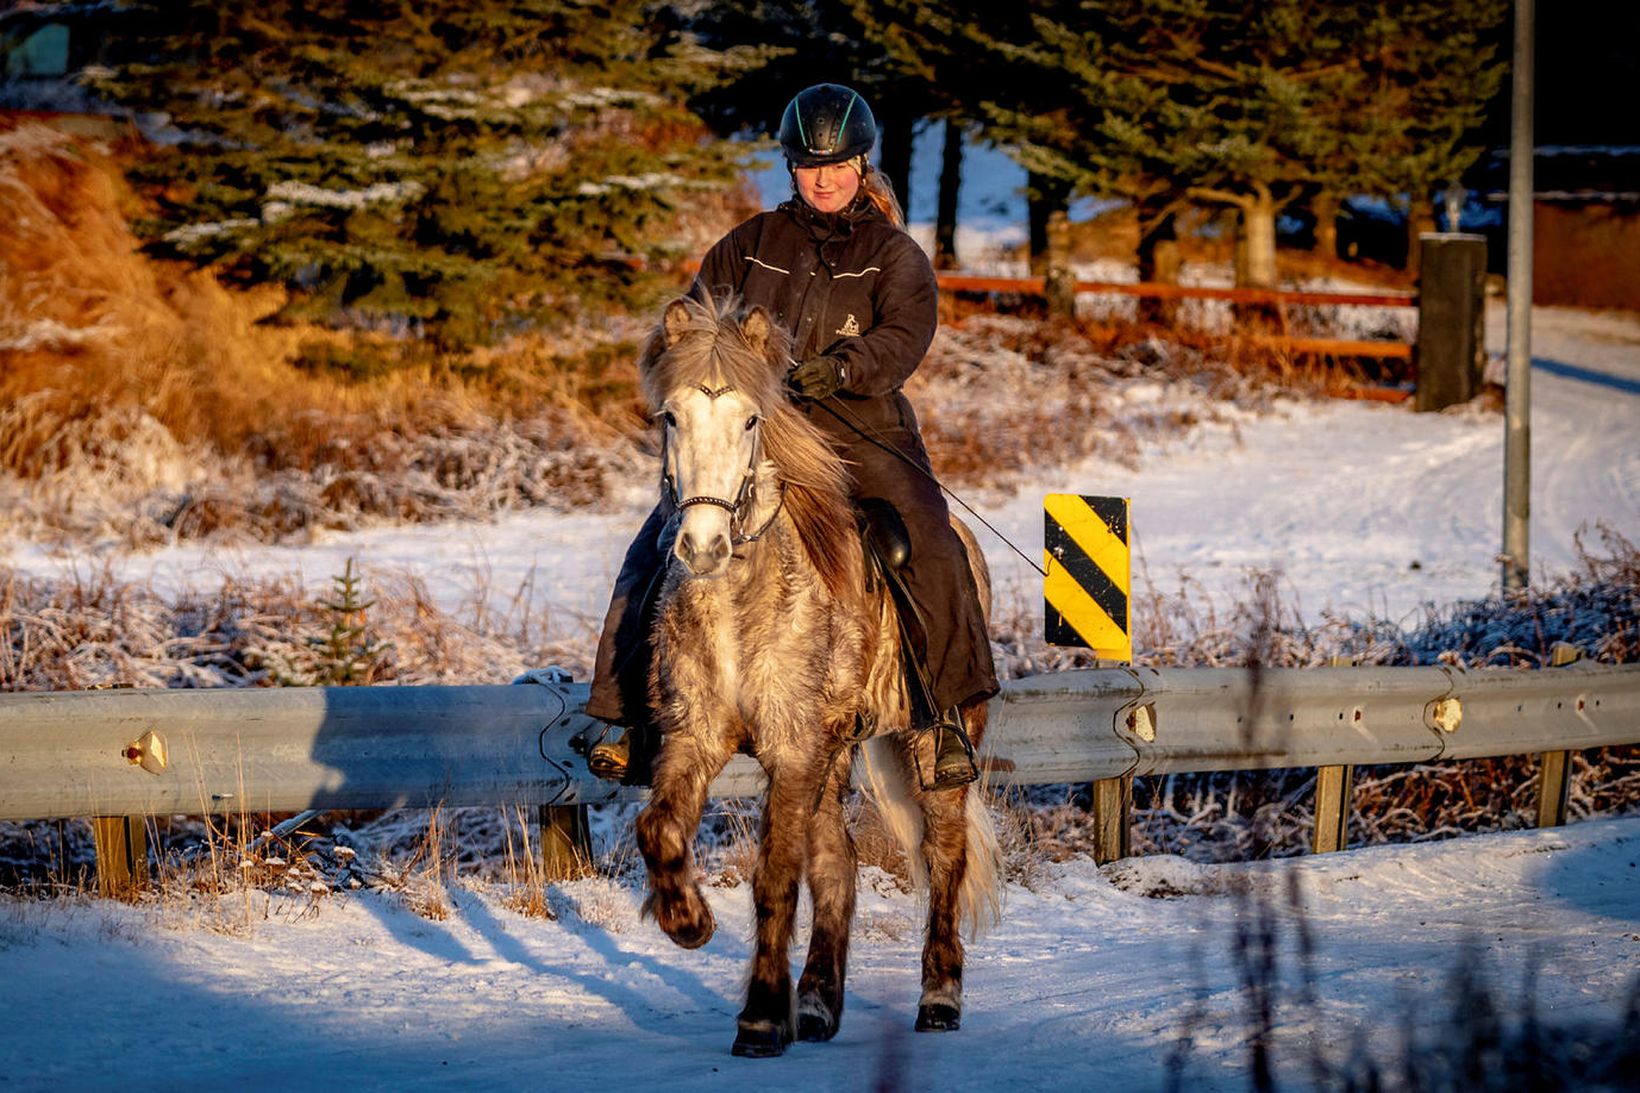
(826, 123)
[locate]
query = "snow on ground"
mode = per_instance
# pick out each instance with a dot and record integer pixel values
(1089, 981)
(1363, 508)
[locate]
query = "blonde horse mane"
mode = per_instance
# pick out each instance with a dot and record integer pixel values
(713, 341)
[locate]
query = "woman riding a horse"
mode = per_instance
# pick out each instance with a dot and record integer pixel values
(835, 268)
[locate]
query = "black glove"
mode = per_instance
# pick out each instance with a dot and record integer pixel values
(817, 377)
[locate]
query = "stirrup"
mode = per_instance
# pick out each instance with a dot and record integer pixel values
(953, 763)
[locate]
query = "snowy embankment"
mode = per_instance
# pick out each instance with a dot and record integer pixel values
(1362, 508)
(1091, 980)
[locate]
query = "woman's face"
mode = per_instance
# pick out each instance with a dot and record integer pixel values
(830, 188)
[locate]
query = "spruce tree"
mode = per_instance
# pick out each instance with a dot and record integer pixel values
(457, 168)
(1431, 70)
(1252, 106)
(783, 46)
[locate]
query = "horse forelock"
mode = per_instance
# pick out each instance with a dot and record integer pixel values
(710, 350)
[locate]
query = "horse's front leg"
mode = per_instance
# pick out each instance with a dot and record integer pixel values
(666, 834)
(767, 1023)
(832, 870)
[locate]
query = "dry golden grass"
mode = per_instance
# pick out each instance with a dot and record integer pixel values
(101, 345)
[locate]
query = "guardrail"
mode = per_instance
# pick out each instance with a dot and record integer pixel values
(119, 753)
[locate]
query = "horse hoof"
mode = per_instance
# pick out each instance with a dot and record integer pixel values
(815, 1024)
(764, 1040)
(671, 914)
(938, 1017)
(692, 935)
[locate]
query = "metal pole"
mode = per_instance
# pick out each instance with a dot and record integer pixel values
(1517, 437)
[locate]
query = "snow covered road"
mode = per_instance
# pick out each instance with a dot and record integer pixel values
(1089, 982)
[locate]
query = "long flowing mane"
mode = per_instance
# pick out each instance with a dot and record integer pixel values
(714, 341)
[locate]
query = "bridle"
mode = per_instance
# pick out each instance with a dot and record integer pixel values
(744, 497)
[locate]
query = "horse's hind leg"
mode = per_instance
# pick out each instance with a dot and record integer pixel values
(945, 851)
(666, 836)
(832, 869)
(766, 1024)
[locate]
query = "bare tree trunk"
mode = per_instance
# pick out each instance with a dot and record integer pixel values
(1325, 206)
(1060, 282)
(1158, 257)
(896, 152)
(945, 222)
(1420, 219)
(1044, 196)
(1256, 242)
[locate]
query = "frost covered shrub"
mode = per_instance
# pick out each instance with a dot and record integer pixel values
(1236, 815)
(1596, 609)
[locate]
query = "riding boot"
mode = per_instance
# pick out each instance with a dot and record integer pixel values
(628, 758)
(954, 763)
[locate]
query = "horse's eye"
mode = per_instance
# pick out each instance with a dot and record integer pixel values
(753, 422)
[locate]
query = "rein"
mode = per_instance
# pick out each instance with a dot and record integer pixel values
(871, 436)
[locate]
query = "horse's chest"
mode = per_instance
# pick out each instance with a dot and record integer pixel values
(743, 652)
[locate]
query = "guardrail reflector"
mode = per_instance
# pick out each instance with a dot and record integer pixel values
(1087, 587)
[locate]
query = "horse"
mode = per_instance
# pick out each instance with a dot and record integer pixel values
(768, 639)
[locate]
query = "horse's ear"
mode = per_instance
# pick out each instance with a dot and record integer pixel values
(675, 322)
(757, 328)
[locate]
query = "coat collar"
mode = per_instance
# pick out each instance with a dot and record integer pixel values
(828, 226)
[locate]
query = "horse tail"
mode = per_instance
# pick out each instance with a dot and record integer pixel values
(887, 779)
(979, 904)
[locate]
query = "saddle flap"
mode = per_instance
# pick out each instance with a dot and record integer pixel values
(884, 532)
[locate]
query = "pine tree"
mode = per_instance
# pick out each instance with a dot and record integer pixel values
(457, 168)
(930, 48)
(784, 46)
(1252, 106)
(1431, 70)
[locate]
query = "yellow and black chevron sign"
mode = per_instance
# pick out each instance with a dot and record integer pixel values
(1085, 550)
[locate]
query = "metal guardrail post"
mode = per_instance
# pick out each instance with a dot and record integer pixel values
(122, 856)
(1113, 818)
(566, 842)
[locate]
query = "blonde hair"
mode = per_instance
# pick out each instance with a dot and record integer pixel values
(880, 192)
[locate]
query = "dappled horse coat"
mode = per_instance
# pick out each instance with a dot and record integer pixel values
(768, 640)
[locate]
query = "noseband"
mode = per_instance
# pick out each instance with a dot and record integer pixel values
(747, 493)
